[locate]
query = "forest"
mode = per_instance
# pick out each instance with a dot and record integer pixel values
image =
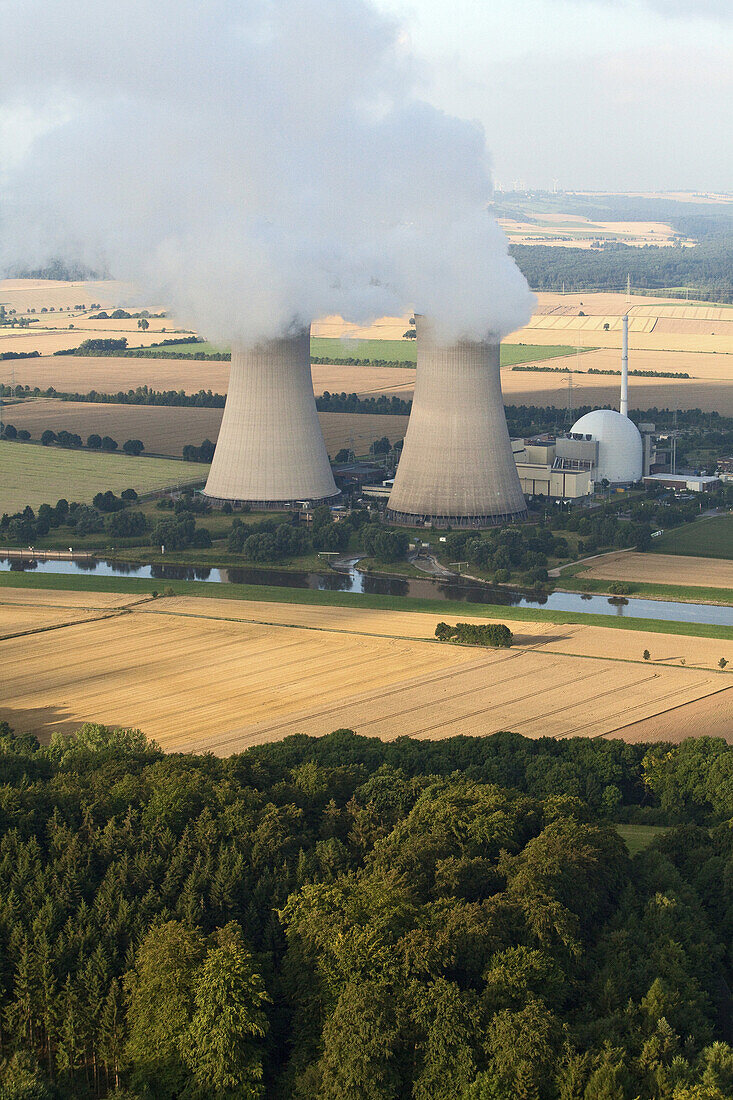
(346, 919)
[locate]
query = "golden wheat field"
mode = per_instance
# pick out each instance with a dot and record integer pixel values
(662, 569)
(224, 675)
(110, 374)
(166, 430)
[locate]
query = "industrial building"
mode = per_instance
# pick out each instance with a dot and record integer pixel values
(457, 467)
(270, 450)
(560, 466)
(682, 482)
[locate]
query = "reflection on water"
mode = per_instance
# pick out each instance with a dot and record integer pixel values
(350, 579)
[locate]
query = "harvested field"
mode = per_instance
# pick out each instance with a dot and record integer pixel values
(575, 231)
(709, 388)
(111, 374)
(166, 430)
(273, 669)
(663, 569)
(24, 294)
(36, 475)
(47, 341)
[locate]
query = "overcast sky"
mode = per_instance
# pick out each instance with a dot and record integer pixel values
(597, 94)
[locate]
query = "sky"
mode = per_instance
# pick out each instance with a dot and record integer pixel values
(619, 95)
(584, 94)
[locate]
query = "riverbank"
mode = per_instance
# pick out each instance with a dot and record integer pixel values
(445, 609)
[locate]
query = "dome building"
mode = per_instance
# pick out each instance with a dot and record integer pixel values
(620, 448)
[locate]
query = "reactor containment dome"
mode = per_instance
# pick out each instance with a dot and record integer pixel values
(620, 448)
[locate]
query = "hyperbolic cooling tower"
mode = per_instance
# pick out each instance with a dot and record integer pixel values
(270, 449)
(457, 466)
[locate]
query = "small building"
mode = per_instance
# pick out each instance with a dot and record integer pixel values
(691, 483)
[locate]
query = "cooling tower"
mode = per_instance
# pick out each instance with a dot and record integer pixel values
(457, 466)
(270, 449)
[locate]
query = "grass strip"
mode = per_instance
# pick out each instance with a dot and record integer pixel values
(641, 589)
(272, 594)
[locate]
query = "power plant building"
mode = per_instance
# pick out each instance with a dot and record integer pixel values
(270, 451)
(457, 468)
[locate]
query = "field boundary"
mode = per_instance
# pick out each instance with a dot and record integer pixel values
(282, 595)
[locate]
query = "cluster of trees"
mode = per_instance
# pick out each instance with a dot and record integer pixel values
(275, 539)
(351, 403)
(11, 433)
(26, 528)
(180, 532)
(505, 551)
(338, 918)
(63, 438)
(384, 543)
(497, 635)
(97, 345)
(202, 453)
(123, 315)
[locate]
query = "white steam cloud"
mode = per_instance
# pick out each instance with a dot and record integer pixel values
(252, 164)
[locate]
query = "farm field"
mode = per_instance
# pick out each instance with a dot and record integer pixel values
(709, 538)
(166, 430)
(666, 335)
(575, 231)
(710, 386)
(696, 572)
(112, 374)
(35, 475)
(276, 669)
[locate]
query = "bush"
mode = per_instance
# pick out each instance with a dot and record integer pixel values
(619, 588)
(128, 494)
(487, 634)
(23, 434)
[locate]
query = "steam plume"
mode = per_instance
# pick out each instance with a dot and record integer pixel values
(252, 164)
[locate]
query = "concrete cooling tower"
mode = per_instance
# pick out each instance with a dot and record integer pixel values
(457, 468)
(270, 449)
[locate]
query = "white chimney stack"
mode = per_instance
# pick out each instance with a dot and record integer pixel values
(624, 402)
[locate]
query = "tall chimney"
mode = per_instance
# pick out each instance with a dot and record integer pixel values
(624, 402)
(457, 468)
(270, 449)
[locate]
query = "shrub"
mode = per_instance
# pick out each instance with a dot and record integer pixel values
(619, 588)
